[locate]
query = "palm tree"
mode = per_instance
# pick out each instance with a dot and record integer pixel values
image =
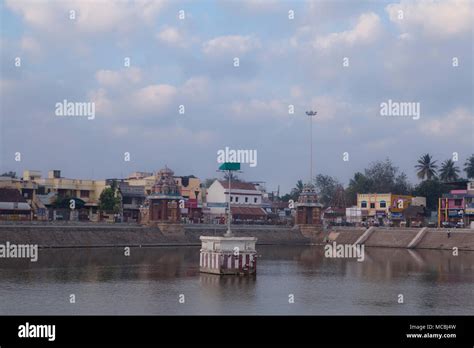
(449, 172)
(299, 186)
(296, 191)
(469, 167)
(426, 167)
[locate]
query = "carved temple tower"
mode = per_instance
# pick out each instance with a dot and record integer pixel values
(162, 205)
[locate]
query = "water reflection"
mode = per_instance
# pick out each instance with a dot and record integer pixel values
(150, 280)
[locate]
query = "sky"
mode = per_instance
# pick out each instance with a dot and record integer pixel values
(339, 58)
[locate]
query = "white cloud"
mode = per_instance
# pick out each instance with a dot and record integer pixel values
(171, 36)
(329, 107)
(154, 98)
(114, 78)
(104, 106)
(445, 18)
(196, 89)
(170, 135)
(256, 109)
(458, 121)
(234, 44)
(91, 16)
(367, 30)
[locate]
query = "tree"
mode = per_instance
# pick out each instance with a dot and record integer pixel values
(426, 167)
(233, 176)
(358, 184)
(10, 174)
(108, 200)
(326, 187)
(295, 192)
(449, 172)
(469, 167)
(402, 185)
(379, 177)
(432, 189)
(385, 177)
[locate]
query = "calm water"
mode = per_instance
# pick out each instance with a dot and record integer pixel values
(150, 280)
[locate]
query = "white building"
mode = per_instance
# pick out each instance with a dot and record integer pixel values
(354, 214)
(245, 200)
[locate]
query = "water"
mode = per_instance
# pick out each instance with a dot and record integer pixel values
(150, 280)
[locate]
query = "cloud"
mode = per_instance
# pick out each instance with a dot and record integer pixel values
(196, 89)
(154, 98)
(367, 30)
(30, 45)
(256, 109)
(90, 16)
(113, 78)
(434, 19)
(231, 44)
(172, 36)
(329, 107)
(457, 122)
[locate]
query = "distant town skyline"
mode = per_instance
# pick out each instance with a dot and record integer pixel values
(167, 89)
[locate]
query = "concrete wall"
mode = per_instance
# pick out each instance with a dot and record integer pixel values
(100, 235)
(90, 235)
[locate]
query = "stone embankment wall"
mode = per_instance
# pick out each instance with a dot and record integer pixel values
(105, 235)
(431, 238)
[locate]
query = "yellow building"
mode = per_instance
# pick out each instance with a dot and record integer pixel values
(382, 206)
(54, 187)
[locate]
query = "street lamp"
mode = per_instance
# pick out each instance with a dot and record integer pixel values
(229, 167)
(311, 114)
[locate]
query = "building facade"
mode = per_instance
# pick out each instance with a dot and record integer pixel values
(456, 208)
(385, 208)
(245, 202)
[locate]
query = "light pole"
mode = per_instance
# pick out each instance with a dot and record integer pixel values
(311, 114)
(229, 215)
(229, 167)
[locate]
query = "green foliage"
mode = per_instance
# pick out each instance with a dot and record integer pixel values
(108, 200)
(469, 167)
(10, 174)
(449, 172)
(432, 190)
(326, 187)
(380, 177)
(426, 167)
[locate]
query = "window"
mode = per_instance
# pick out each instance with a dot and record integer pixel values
(231, 198)
(236, 199)
(383, 204)
(363, 204)
(84, 193)
(255, 200)
(457, 202)
(372, 205)
(246, 199)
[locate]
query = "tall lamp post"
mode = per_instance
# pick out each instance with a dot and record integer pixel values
(311, 113)
(229, 167)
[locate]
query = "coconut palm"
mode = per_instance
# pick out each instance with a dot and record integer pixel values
(426, 167)
(448, 171)
(469, 167)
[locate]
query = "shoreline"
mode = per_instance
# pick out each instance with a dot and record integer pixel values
(86, 235)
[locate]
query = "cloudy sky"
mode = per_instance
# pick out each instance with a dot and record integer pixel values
(403, 51)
